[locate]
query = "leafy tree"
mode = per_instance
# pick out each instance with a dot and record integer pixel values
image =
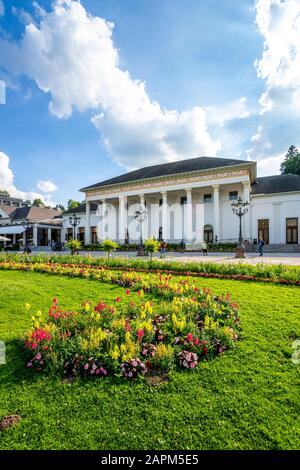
(38, 203)
(291, 162)
(72, 204)
(74, 246)
(152, 246)
(109, 246)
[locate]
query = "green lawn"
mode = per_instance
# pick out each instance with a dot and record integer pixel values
(247, 399)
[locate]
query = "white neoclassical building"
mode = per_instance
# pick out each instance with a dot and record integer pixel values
(190, 200)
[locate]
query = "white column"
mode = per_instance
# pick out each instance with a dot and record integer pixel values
(246, 221)
(165, 217)
(87, 232)
(144, 228)
(49, 235)
(14, 239)
(104, 220)
(35, 238)
(122, 222)
(24, 237)
(216, 211)
(188, 232)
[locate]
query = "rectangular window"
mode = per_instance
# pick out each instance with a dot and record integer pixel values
(233, 195)
(292, 230)
(183, 200)
(207, 198)
(263, 230)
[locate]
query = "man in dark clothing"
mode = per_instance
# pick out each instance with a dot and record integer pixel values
(261, 246)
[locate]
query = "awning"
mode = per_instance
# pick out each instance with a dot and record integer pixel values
(11, 229)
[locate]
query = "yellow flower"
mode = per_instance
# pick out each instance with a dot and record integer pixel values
(27, 306)
(115, 353)
(86, 306)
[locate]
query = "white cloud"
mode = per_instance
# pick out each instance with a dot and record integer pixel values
(71, 55)
(46, 186)
(269, 166)
(7, 183)
(278, 124)
(2, 8)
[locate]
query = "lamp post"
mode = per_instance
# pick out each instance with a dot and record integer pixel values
(240, 208)
(140, 217)
(27, 225)
(74, 221)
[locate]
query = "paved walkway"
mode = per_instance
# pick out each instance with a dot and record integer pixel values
(292, 259)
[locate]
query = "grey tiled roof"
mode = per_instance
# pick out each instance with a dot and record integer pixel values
(173, 168)
(276, 184)
(34, 213)
(82, 208)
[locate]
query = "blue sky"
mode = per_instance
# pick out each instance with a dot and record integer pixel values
(202, 92)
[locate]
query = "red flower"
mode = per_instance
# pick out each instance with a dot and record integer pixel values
(34, 345)
(127, 326)
(99, 307)
(55, 300)
(196, 341)
(204, 350)
(118, 299)
(189, 337)
(127, 292)
(140, 333)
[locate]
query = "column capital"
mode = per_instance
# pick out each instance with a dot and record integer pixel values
(246, 183)
(164, 193)
(103, 200)
(216, 186)
(188, 190)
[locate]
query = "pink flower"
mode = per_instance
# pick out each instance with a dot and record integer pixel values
(196, 341)
(192, 365)
(118, 299)
(189, 337)
(34, 345)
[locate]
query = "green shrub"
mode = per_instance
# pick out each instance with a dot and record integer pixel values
(109, 246)
(152, 246)
(74, 246)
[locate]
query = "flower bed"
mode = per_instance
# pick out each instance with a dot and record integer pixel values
(240, 271)
(134, 336)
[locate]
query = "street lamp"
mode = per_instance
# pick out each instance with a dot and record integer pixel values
(240, 208)
(140, 217)
(27, 225)
(74, 221)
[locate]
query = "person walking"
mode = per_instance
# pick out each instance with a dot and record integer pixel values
(261, 245)
(162, 249)
(204, 248)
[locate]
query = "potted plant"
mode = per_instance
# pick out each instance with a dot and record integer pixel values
(74, 246)
(152, 246)
(109, 246)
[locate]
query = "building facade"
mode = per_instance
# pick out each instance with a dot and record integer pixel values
(45, 225)
(190, 201)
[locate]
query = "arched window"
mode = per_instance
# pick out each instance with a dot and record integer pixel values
(208, 233)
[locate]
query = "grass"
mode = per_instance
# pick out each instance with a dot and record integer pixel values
(246, 399)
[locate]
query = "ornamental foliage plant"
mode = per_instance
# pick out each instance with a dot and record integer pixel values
(152, 246)
(109, 246)
(135, 335)
(74, 246)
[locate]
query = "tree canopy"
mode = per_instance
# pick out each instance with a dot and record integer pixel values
(291, 162)
(38, 203)
(72, 204)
